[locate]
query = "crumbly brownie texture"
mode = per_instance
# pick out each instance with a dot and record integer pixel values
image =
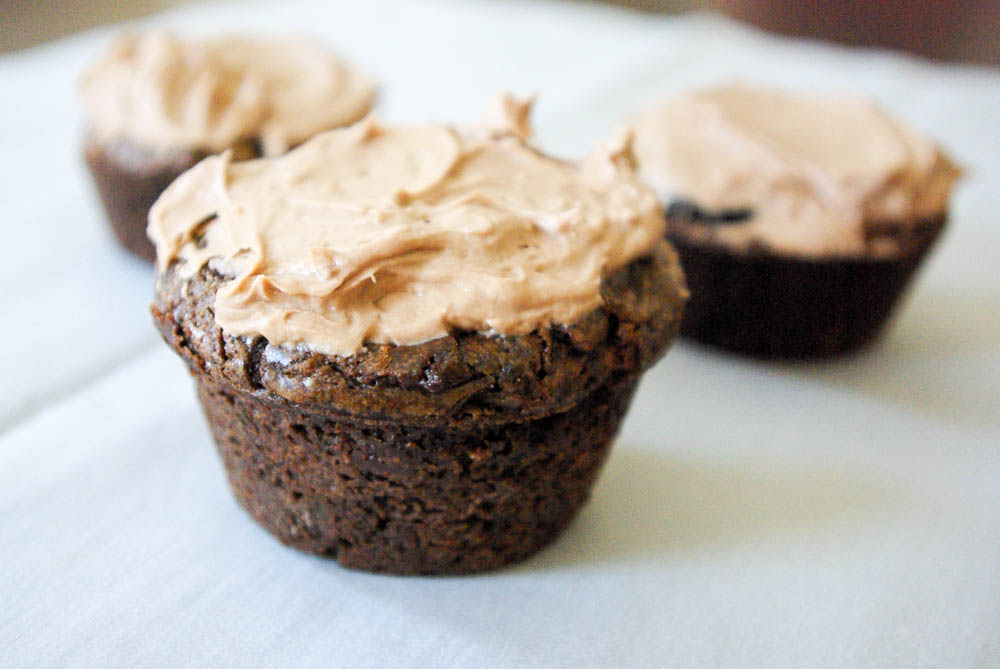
(771, 305)
(379, 496)
(129, 178)
(457, 455)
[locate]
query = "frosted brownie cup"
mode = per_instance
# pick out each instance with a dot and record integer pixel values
(800, 220)
(156, 105)
(414, 345)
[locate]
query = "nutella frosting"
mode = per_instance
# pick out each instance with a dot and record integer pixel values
(812, 172)
(167, 94)
(399, 234)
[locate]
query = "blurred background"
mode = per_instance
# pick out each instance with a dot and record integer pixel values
(949, 30)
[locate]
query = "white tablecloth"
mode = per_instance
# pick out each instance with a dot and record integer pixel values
(837, 514)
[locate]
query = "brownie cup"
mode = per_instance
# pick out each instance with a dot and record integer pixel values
(800, 221)
(157, 105)
(413, 345)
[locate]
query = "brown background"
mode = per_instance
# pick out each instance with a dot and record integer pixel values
(944, 29)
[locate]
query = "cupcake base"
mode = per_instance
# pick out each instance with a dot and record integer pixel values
(129, 180)
(772, 306)
(455, 455)
(381, 495)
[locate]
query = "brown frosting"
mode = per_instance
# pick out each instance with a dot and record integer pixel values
(167, 94)
(399, 234)
(815, 172)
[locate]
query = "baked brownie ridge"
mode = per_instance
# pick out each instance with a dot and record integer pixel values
(463, 377)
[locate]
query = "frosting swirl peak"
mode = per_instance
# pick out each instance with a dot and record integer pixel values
(390, 234)
(813, 172)
(166, 93)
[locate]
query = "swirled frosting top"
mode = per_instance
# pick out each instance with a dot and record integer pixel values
(398, 234)
(167, 94)
(813, 172)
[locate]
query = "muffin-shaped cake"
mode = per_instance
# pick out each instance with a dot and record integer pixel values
(156, 105)
(799, 220)
(414, 345)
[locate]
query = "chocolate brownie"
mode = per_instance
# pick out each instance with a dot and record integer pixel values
(157, 105)
(769, 305)
(800, 220)
(414, 345)
(129, 179)
(456, 455)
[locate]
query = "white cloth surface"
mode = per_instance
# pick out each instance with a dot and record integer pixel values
(844, 513)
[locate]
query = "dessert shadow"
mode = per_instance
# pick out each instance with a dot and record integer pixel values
(907, 367)
(649, 506)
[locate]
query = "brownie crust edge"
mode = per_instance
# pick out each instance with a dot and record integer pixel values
(776, 306)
